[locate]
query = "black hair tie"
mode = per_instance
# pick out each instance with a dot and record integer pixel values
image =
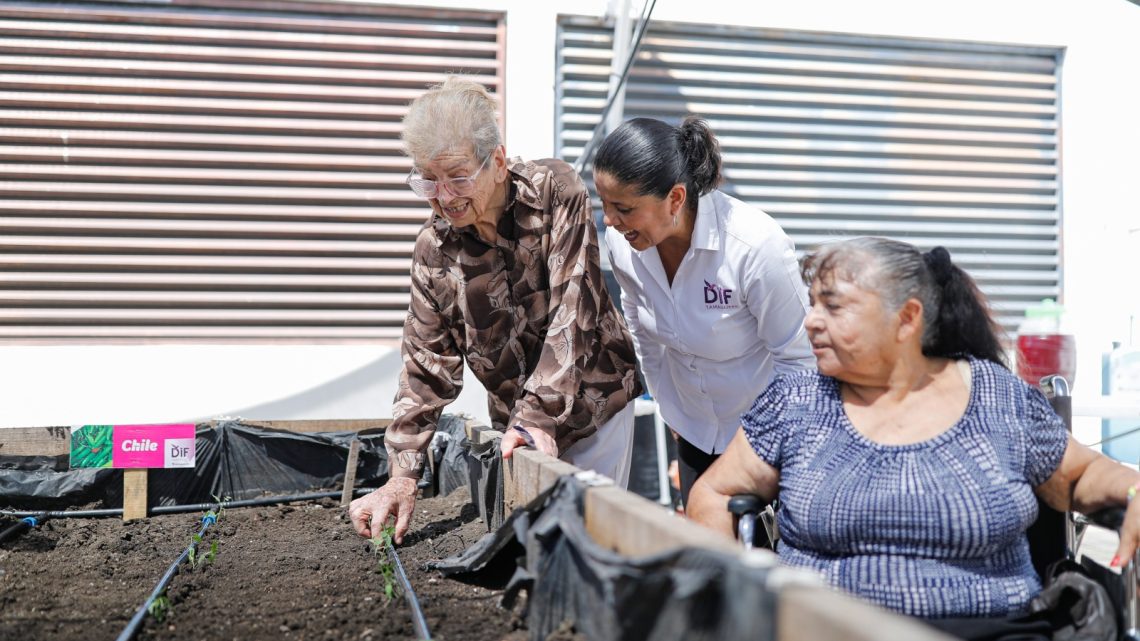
(938, 262)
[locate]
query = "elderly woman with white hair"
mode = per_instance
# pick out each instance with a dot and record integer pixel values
(506, 276)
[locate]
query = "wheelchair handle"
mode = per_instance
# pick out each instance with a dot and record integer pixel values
(746, 530)
(1054, 385)
(742, 504)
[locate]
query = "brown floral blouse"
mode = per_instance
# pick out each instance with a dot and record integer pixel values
(530, 313)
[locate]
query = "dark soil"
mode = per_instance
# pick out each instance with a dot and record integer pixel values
(284, 572)
(84, 578)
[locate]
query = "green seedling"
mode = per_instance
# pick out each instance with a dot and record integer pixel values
(193, 554)
(159, 608)
(222, 501)
(384, 565)
(196, 559)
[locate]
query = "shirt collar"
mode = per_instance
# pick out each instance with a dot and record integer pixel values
(706, 233)
(524, 189)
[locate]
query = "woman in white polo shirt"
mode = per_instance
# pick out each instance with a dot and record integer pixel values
(710, 285)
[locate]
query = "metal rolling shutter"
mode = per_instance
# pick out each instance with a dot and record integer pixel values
(936, 143)
(215, 169)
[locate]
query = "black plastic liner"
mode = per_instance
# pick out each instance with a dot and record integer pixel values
(485, 470)
(643, 470)
(44, 482)
(1114, 584)
(449, 450)
(683, 594)
(235, 461)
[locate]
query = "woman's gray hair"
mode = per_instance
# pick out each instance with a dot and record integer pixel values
(894, 270)
(955, 315)
(450, 116)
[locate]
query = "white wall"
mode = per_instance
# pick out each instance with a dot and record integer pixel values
(1101, 177)
(122, 384)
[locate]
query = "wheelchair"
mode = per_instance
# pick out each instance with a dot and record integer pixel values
(1054, 536)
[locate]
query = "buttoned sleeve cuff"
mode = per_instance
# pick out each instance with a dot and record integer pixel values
(407, 453)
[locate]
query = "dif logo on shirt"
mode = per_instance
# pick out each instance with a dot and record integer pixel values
(717, 297)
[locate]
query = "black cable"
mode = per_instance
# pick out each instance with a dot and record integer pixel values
(63, 514)
(643, 25)
(193, 507)
(418, 620)
(26, 523)
(269, 500)
(132, 628)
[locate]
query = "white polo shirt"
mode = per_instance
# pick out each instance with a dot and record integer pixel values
(731, 321)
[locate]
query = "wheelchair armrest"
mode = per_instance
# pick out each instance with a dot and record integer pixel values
(1111, 518)
(741, 504)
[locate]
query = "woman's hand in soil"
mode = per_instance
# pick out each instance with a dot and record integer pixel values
(521, 437)
(370, 512)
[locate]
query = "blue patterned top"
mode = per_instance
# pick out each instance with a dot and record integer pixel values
(930, 529)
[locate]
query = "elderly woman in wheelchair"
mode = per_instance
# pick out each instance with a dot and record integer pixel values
(908, 467)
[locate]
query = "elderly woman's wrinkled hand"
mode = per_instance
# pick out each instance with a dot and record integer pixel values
(538, 439)
(370, 513)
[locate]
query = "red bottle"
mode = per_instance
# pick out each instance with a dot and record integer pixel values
(1043, 347)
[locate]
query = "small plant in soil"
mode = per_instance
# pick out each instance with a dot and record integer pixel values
(193, 556)
(384, 565)
(193, 553)
(222, 501)
(159, 608)
(196, 559)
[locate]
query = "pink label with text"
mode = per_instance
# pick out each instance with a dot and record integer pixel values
(153, 446)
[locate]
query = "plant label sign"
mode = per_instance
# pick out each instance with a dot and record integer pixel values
(132, 446)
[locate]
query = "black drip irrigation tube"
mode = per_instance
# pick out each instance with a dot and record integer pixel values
(132, 628)
(29, 520)
(419, 623)
(178, 509)
(24, 524)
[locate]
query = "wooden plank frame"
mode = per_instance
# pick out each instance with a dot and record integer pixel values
(635, 526)
(35, 441)
(323, 425)
(56, 440)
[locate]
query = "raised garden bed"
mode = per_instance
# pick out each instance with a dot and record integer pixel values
(293, 571)
(597, 558)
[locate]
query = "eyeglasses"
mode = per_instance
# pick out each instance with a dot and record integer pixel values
(460, 187)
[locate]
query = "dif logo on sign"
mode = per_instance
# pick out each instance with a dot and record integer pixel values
(153, 446)
(133, 446)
